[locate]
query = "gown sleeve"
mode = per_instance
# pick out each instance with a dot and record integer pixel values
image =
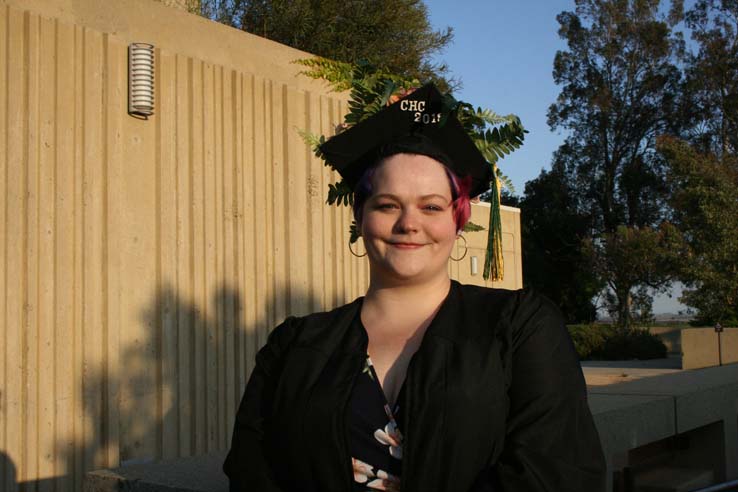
(551, 442)
(246, 465)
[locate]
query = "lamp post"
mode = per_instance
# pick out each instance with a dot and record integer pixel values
(719, 330)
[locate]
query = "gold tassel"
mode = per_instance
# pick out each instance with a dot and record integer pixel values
(493, 262)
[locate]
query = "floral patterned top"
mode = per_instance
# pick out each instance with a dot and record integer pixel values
(374, 434)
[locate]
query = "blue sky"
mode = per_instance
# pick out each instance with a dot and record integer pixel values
(503, 53)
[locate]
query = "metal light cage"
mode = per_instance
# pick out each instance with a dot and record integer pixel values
(141, 79)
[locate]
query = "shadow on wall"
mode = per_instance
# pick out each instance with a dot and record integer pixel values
(175, 386)
(7, 471)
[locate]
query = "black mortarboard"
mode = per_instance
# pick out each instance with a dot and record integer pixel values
(417, 123)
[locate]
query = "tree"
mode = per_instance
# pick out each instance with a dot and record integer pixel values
(395, 35)
(553, 230)
(705, 204)
(711, 88)
(703, 166)
(646, 258)
(620, 88)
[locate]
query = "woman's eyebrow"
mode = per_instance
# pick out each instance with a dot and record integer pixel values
(385, 195)
(434, 195)
(424, 197)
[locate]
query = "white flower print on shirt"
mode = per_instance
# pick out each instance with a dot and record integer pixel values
(391, 435)
(380, 480)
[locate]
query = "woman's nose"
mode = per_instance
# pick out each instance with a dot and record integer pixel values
(407, 221)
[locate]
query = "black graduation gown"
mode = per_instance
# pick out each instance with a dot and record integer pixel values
(494, 400)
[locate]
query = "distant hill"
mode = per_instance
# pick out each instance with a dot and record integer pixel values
(683, 318)
(660, 318)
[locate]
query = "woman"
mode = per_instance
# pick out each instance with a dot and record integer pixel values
(423, 384)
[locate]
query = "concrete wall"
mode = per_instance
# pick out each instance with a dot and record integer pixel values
(145, 261)
(702, 347)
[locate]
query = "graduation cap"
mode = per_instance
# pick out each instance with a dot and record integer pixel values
(419, 123)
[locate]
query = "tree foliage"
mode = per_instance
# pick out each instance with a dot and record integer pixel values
(620, 88)
(702, 167)
(705, 205)
(619, 92)
(553, 229)
(393, 34)
(711, 86)
(634, 262)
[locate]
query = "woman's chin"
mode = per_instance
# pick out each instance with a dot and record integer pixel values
(406, 274)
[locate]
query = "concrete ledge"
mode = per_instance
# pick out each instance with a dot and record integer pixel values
(627, 421)
(700, 396)
(194, 474)
(625, 411)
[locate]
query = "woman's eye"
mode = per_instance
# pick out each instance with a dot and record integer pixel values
(433, 208)
(386, 206)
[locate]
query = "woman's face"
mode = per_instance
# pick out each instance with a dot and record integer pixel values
(407, 223)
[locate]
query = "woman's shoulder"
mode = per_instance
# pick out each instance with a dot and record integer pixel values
(522, 311)
(518, 300)
(315, 327)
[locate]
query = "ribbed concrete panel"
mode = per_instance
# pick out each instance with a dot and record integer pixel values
(5, 464)
(143, 262)
(7, 469)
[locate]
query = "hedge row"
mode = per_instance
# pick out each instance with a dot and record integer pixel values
(604, 342)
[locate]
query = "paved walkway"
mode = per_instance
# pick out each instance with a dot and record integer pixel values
(604, 372)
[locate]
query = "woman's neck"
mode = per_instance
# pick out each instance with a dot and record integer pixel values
(404, 302)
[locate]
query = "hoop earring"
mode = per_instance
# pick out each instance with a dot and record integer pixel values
(352, 251)
(466, 249)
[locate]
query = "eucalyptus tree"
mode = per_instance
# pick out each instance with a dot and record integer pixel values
(711, 86)
(619, 91)
(703, 167)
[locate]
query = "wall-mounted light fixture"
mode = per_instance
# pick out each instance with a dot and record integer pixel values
(141, 79)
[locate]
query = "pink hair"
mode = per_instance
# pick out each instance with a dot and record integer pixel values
(460, 188)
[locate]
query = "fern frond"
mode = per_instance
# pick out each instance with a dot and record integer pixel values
(506, 182)
(491, 118)
(313, 140)
(354, 233)
(472, 227)
(340, 193)
(337, 74)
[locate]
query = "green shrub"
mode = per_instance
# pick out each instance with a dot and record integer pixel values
(634, 344)
(604, 342)
(588, 338)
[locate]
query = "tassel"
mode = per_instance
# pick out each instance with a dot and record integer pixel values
(493, 262)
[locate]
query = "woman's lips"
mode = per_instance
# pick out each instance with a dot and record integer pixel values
(406, 245)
